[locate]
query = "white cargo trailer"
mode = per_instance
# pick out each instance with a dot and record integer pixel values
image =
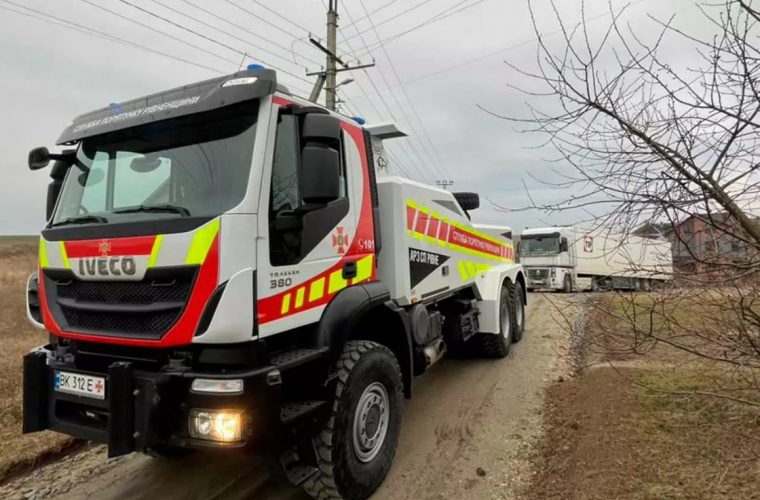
(569, 258)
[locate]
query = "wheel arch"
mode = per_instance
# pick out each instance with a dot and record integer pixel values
(366, 312)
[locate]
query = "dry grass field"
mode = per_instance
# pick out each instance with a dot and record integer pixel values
(18, 257)
(641, 425)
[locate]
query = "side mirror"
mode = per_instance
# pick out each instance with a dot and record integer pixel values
(320, 158)
(39, 158)
(563, 246)
(321, 128)
(320, 174)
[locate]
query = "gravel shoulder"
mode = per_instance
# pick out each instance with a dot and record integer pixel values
(468, 432)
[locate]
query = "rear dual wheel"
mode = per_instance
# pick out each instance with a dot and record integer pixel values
(511, 323)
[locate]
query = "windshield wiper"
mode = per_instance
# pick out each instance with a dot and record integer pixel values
(175, 209)
(82, 219)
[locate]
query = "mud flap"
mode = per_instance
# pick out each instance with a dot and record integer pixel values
(121, 420)
(36, 388)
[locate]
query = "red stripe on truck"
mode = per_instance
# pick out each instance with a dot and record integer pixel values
(474, 242)
(137, 245)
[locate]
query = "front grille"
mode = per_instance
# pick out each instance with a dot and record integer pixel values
(139, 309)
(538, 273)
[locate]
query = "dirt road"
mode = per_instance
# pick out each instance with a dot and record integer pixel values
(467, 433)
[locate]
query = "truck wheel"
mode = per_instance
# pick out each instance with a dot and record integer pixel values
(356, 446)
(518, 308)
(498, 345)
(567, 285)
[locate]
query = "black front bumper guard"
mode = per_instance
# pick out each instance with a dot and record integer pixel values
(141, 409)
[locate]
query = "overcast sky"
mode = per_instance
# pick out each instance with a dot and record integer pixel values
(440, 72)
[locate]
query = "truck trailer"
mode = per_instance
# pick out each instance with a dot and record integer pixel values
(227, 265)
(567, 258)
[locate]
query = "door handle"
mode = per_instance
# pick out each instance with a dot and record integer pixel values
(349, 269)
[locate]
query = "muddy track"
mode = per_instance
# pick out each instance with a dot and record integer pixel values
(467, 433)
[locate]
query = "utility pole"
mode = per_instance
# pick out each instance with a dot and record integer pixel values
(332, 28)
(328, 77)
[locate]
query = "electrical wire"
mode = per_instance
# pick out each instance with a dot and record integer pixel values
(437, 165)
(279, 28)
(210, 39)
(290, 21)
(155, 30)
(438, 17)
(419, 166)
(437, 161)
(65, 23)
(458, 65)
(382, 7)
(385, 21)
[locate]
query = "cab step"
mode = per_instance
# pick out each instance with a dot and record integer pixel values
(295, 410)
(296, 357)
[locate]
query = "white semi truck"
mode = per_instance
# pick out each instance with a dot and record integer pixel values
(568, 258)
(228, 265)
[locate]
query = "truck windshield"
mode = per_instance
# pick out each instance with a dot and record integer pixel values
(531, 246)
(196, 165)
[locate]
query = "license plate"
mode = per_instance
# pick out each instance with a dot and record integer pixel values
(80, 384)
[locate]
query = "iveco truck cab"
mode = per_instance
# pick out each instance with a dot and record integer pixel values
(228, 265)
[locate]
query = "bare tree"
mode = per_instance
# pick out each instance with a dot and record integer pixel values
(644, 138)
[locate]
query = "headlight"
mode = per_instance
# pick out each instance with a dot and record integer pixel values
(225, 426)
(554, 272)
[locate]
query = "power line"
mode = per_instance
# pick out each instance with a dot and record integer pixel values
(382, 7)
(279, 28)
(458, 65)
(436, 161)
(432, 20)
(419, 166)
(308, 32)
(155, 30)
(65, 23)
(390, 18)
(205, 37)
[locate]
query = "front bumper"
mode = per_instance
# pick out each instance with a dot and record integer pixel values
(543, 281)
(144, 409)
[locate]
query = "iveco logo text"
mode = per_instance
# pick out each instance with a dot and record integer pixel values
(107, 266)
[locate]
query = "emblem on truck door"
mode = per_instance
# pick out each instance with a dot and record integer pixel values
(340, 240)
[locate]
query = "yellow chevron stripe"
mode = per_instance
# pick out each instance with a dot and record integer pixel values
(64, 256)
(363, 269)
(43, 253)
(285, 304)
(336, 282)
(202, 240)
(317, 289)
(299, 297)
(154, 251)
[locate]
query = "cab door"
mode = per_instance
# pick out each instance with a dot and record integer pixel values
(308, 252)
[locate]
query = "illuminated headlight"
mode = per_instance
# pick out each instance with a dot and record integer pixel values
(225, 426)
(214, 386)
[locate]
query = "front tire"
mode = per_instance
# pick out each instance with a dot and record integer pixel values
(567, 285)
(356, 446)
